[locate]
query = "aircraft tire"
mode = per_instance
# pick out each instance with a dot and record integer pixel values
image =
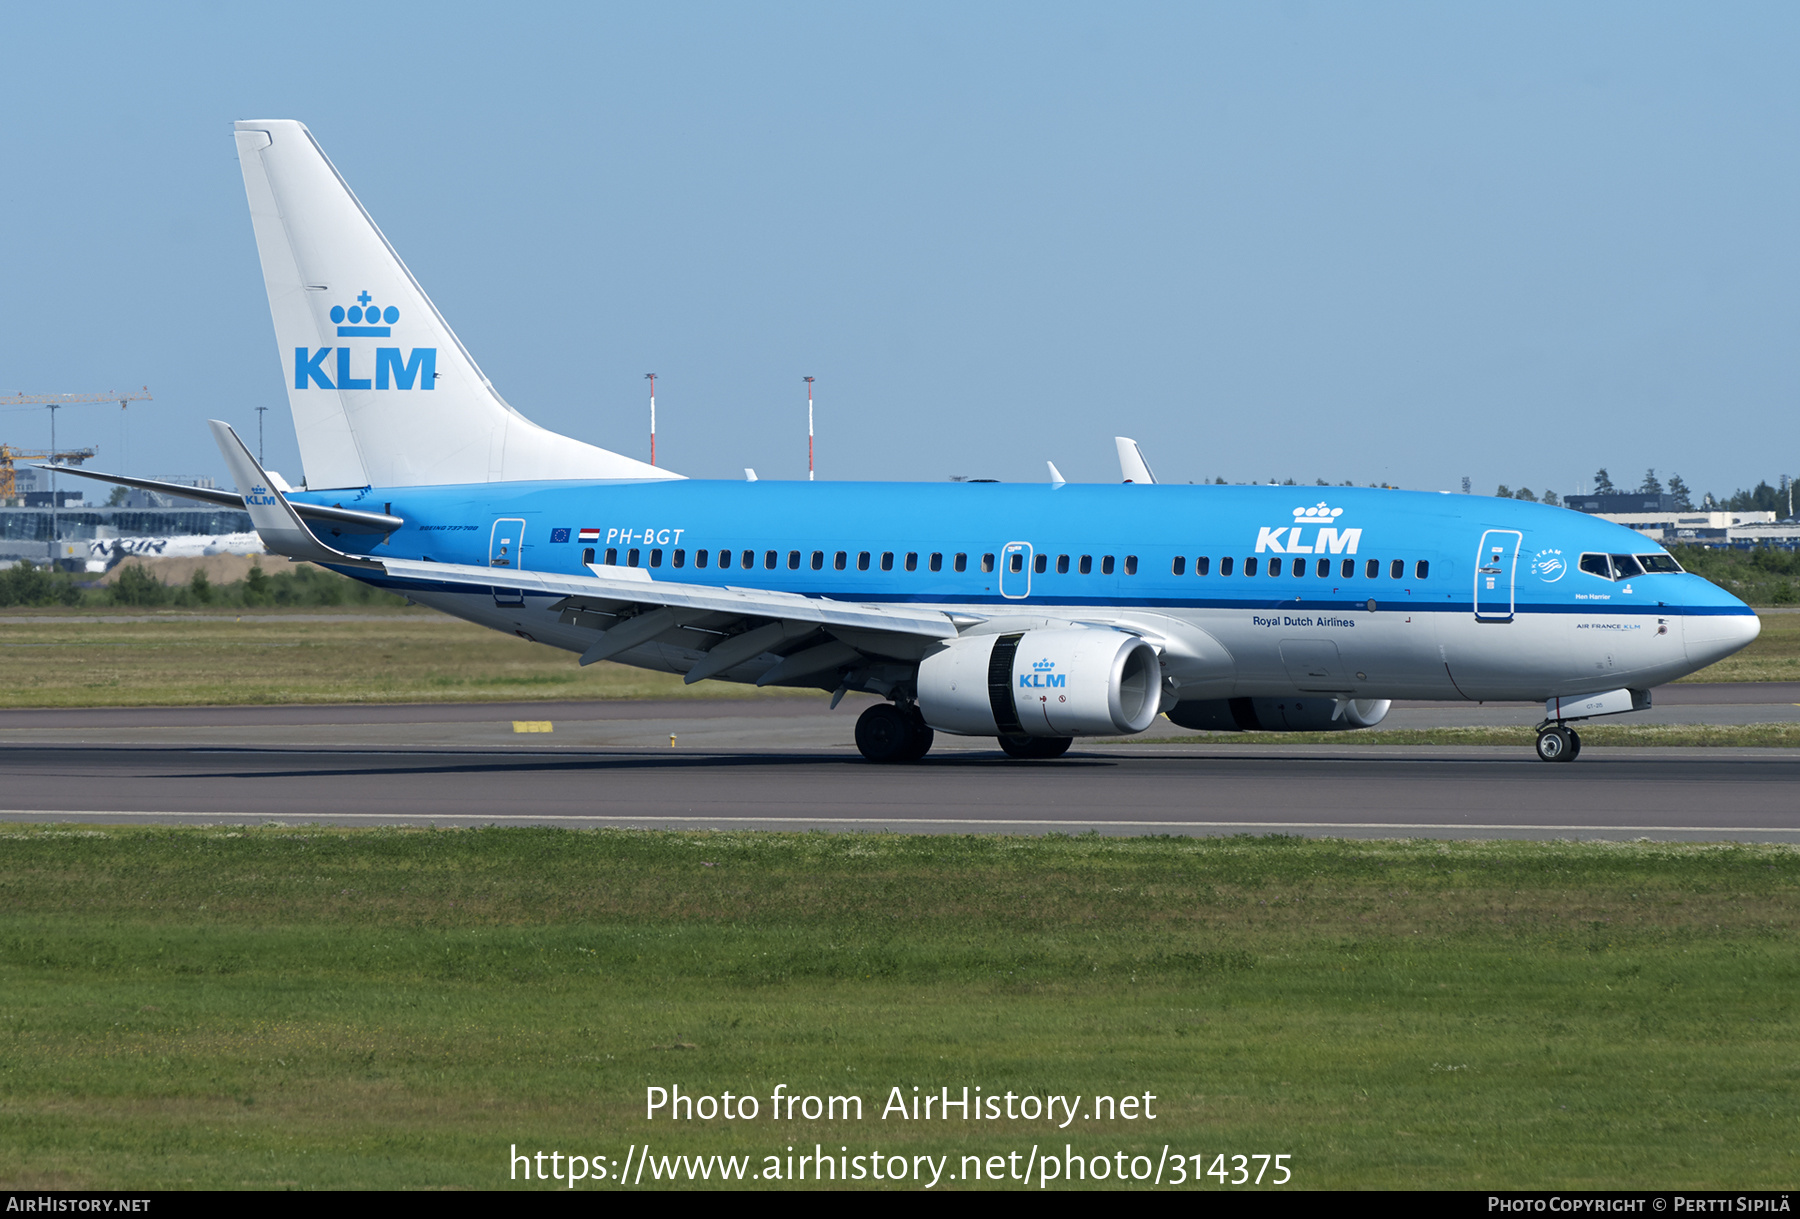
(1035, 748)
(1574, 744)
(884, 733)
(922, 736)
(1555, 745)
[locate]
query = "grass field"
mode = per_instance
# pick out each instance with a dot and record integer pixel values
(325, 1008)
(365, 655)
(88, 658)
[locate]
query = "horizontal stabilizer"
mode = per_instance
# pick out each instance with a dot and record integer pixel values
(344, 520)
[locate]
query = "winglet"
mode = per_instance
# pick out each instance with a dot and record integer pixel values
(1056, 477)
(275, 520)
(1132, 466)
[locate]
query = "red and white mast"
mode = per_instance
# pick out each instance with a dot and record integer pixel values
(809, 429)
(651, 377)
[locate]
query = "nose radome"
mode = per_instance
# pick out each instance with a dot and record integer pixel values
(1713, 637)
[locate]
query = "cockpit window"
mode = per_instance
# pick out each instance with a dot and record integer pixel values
(1597, 565)
(1659, 563)
(1625, 567)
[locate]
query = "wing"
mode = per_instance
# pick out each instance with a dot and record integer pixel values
(809, 636)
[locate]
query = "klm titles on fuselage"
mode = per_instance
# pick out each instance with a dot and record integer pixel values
(393, 370)
(1328, 540)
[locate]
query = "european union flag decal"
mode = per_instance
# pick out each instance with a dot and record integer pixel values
(559, 535)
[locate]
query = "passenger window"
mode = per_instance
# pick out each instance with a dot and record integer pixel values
(1062, 564)
(1131, 565)
(1202, 565)
(587, 556)
(1625, 567)
(1106, 565)
(960, 562)
(987, 562)
(631, 557)
(770, 558)
(887, 560)
(1596, 565)
(1299, 567)
(862, 561)
(912, 560)
(1225, 565)
(1179, 566)
(679, 559)
(1250, 566)
(1041, 564)
(1274, 567)
(1087, 564)
(1324, 568)
(840, 561)
(793, 560)
(1659, 563)
(818, 560)
(656, 558)
(612, 557)
(937, 561)
(1349, 569)
(749, 559)
(1018, 562)
(1372, 568)
(1422, 569)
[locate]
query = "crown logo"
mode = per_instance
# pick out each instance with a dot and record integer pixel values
(1043, 666)
(365, 320)
(1318, 512)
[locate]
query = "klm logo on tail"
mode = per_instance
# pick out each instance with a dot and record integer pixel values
(365, 320)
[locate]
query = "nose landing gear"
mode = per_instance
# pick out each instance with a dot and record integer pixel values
(1558, 743)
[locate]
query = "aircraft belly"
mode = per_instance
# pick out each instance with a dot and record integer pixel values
(1294, 650)
(1538, 656)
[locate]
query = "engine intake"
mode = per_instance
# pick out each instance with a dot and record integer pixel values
(1042, 683)
(1308, 713)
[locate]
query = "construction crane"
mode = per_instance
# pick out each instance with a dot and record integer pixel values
(8, 455)
(55, 402)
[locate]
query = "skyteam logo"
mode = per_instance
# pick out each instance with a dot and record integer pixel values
(1549, 566)
(366, 320)
(1043, 677)
(1292, 539)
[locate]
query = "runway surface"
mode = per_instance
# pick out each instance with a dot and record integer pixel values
(790, 763)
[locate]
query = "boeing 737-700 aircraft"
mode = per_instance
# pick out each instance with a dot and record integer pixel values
(1029, 613)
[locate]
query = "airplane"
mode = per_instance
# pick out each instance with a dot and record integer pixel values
(1032, 614)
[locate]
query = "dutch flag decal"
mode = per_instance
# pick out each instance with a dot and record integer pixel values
(590, 535)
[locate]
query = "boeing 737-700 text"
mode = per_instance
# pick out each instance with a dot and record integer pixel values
(1034, 614)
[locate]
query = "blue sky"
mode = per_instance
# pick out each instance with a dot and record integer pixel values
(1399, 243)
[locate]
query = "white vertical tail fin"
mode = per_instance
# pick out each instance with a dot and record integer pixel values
(382, 391)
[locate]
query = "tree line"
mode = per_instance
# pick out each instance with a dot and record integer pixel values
(1761, 498)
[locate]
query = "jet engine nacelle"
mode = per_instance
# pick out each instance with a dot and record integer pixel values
(1043, 683)
(1307, 713)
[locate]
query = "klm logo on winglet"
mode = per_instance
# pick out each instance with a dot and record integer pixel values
(366, 320)
(1041, 678)
(259, 495)
(1329, 539)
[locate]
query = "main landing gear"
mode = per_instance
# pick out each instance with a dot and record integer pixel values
(1036, 747)
(1558, 743)
(886, 733)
